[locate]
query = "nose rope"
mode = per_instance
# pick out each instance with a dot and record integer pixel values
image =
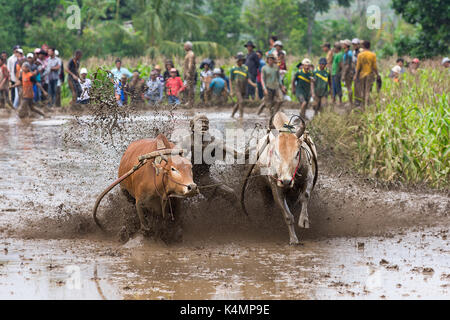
(296, 168)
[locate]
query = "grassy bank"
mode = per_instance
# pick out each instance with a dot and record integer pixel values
(402, 137)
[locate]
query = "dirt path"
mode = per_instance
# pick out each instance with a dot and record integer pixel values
(48, 186)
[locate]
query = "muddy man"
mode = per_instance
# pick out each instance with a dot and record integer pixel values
(202, 157)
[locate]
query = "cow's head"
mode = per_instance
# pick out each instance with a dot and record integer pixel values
(285, 156)
(179, 179)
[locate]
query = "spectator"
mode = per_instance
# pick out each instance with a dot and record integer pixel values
(169, 65)
(272, 49)
(42, 69)
(366, 69)
(271, 84)
(11, 65)
(4, 84)
(278, 48)
(4, 56)
(86, 85)
(26, 80)
(322, 83)
(414, 67)
(252, 63)
(118, 71)
(395, 73)
(174, 86)
(218, 87)
(72, 70)
(326, 47)
(121, 89)
(137, 88)
(348, 69)
(303, 85)
(225, 78)
(189, 74)
(262, 63)
(446, 62)
(239, 80)
(282, 63)
(336, 73)
(159, 76)
(154, 93)
(206, 76)
(60, 81)
(52, 71)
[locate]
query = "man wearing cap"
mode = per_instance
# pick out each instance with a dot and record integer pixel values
(348, 69)
(174, 86)
(414, 66)
(446, 62)
(271, 83)
(189, 72)
(52, 72)
(118, 71)
(239, 80)
(86, 85)
(155, 89)
(336, 72)
(252, 63)
(322, 83)
(366, 70)
(326, 47)
(218, 87)
(303, 85)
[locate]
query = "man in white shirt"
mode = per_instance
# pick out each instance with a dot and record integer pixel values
(11, 65)
(118, 71)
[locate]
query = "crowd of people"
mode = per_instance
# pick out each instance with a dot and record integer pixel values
(32, 83)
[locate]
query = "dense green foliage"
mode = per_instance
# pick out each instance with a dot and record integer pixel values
(433, 36)
(219, 28)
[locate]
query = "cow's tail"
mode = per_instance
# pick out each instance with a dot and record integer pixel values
(107, 190)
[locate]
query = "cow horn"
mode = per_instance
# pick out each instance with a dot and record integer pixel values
(302, 128)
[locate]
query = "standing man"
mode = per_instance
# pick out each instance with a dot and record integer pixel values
(348, 69)
(326, 47)
(336, 73)
(322, 83)
(52, 71)
(72, 70)
(26, 80)
(239, 80)
(366, 69)
(303, 85)
(86, 85)
(118, 71)
(155, 89)
(271, 83)
(252, 63)
(11, 65)
(262, 63)
(189, 73)
(4, 84)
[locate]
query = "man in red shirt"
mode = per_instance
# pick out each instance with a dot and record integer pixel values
(174, 86)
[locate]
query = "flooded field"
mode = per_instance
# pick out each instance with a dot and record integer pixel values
(364, 243)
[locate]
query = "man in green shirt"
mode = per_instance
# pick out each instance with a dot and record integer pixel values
(336, 73)
(303, 85)
(271, 84)
(322, 83)
(239, 78)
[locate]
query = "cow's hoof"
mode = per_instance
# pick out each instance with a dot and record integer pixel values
(303, 223)
(294, 242)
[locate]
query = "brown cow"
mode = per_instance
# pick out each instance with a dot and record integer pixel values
(159, 180)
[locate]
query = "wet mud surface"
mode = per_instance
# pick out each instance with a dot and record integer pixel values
(363, 242)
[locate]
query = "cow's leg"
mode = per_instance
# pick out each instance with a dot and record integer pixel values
(280, 199)
(303, 220)
(141, 215)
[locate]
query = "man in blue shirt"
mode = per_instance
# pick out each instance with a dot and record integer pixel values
(218, 87)
(118, 71)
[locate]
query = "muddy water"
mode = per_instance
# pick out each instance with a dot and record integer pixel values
(50, 249)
